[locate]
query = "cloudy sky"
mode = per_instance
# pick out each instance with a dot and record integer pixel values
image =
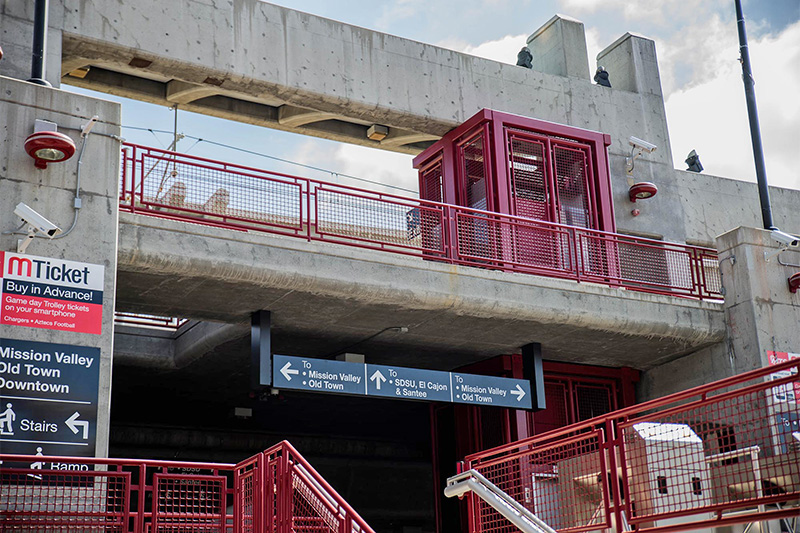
(697, 46)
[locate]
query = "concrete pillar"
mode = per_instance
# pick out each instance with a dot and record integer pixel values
(632, 65)
(93, 240)
(16, 39)
(559, 48)
(761, 312)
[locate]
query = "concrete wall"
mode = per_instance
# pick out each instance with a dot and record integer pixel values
(51, 191)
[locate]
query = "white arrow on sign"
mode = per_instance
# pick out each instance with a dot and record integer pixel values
(73, 423)
(519, 393)
(288, 373)
(378, 378)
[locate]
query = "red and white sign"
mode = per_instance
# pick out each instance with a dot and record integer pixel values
(41, 292)
(784, 393)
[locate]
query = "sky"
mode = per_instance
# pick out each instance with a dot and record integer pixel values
(697, 47)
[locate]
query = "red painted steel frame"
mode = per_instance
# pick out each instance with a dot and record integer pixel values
(276, 491)
(119, 495)
(747, 466)
(154, 183)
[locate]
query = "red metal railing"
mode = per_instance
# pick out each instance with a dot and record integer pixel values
(719, 454)
(76, 494)
(178, 186)
(276, 491)
(311, 504)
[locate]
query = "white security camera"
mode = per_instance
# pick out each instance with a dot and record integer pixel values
(642, 145)
(785, 239)
(36, 221)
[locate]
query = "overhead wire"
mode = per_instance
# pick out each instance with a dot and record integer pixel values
(272, 157)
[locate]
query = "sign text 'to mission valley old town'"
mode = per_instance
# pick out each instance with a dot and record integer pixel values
(41, 292)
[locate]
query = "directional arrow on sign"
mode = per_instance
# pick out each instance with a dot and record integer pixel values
(73, 423)
(519, 393)
(287, 373)
(378, 378)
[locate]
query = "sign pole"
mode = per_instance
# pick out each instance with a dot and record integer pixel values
(260, 350)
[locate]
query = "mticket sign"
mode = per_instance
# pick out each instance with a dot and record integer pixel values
(40, 292)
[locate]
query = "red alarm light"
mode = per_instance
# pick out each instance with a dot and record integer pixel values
(49, 147)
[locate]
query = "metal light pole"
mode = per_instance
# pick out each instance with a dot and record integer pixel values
(752, 113)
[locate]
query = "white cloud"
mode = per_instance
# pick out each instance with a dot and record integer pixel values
(709, 113)
(503, 50)
(661, 12)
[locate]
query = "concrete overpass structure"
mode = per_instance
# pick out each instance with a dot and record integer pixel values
(174, 392)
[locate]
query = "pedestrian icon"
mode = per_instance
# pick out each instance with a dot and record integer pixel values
(7, 418)
(38, 464)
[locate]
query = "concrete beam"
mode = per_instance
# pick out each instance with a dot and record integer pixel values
(397, 139)
(180, 92)
(364, 77)
(173, 350)
(325, 296)
(293, 117)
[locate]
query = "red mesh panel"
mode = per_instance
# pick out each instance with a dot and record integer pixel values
(571, 170)
(529, 186)
(562, 484)
(432, 183)
(592, 401)
(342, 214)
(53, 501)
(474, 170)
(188, 503)
(730, 452)
(170, 184)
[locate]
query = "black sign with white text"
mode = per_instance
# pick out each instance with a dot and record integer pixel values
(48, 399)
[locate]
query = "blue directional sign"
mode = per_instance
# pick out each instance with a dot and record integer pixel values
(489, 390)
(409, 383)
(338, 377)
(318, 375)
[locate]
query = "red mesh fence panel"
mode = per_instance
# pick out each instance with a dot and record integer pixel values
(246, 495)
(719, 454)
(56, 501)
(377, 221)
(730, 451)
(571, 178)
(432, 182)
(563, 484)
(529, 184)
(473, 159)
(188, 503)
(514, 243)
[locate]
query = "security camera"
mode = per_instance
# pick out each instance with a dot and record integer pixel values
(785, 239)
(642, 145)
(36, 221)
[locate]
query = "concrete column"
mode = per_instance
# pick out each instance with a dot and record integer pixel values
(559, 48)
(761, 312)
(51, 192)
(16, 39)
(632, 65)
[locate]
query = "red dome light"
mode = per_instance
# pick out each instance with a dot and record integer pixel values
(794, 282)
(640, 191)
(49, 147)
